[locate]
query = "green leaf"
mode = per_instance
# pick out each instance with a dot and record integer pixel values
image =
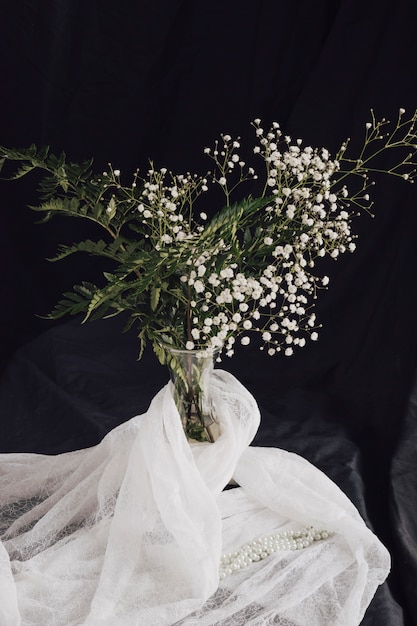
(22, 171)
(155, 295)
(73, 302)
(91, 247)
(97, 299)
(159, 351)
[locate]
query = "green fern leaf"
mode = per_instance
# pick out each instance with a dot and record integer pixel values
(155, 295)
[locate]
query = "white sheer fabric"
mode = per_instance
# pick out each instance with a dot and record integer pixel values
(130, 532)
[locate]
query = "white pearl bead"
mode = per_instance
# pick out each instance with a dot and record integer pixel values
(261, 548)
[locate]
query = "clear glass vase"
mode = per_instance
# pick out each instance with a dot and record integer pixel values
(190, 372)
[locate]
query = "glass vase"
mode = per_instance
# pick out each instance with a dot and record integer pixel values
(190, 372)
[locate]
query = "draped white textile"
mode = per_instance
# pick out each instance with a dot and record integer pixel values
(130, 532)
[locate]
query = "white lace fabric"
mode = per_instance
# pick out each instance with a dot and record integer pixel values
(130, 532)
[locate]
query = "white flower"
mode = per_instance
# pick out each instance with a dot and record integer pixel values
(268, 241)
(199, 286)
(247, 324)
(325, 280)
(266, 336)
(222, 181)
(314, 336)
(195, 333)
(288, 351)
(116, 172)
(189, 345)
(203, 215)
(227, 272)
(214, 280)
(245, 341)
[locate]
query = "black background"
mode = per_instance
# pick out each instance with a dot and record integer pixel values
(130, 80)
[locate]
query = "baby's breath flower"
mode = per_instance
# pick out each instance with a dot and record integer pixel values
(199, 286)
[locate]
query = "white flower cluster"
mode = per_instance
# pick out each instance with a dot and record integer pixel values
(252, 268)
(228, 303)
(164, 206)
(301, 180)
(303, 221)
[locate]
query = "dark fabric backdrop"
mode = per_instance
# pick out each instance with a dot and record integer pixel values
(134, 79)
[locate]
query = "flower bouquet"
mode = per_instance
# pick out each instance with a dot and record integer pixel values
(193, 285)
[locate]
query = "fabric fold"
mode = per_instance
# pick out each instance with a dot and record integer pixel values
(131, 531)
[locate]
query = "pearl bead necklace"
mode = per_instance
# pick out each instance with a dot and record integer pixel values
(263, 547)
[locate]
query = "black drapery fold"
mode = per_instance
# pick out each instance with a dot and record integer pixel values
(127, 81)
